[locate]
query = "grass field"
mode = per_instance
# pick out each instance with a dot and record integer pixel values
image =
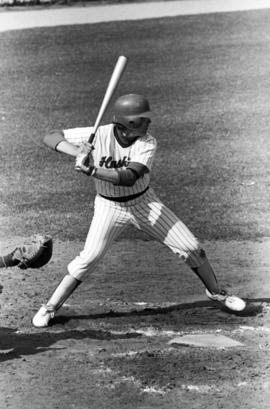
(207, 78)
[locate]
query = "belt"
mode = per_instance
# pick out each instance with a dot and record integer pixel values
(125, 198)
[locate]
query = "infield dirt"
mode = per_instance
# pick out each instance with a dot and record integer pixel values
(109, 345)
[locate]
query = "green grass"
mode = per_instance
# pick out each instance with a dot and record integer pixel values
(207, 78)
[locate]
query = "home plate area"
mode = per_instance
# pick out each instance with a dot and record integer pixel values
(206, 340)
(140, 327)
(159, 353)
(195, 324)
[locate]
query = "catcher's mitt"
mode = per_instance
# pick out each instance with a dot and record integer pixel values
(35, 252)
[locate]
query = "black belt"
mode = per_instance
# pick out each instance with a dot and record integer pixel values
(125, 198)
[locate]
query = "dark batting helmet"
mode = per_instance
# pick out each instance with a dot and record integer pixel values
(129, 111)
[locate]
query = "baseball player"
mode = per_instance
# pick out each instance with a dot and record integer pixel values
(121, 159)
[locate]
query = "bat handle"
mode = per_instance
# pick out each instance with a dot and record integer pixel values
(91, 137)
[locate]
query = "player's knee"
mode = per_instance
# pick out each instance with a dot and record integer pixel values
(78, 270)
(83, 264)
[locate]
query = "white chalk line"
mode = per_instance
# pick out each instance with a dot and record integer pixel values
(153, 332)
(244, 328)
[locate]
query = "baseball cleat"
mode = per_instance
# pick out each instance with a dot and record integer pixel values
(43, 316)
(231, 302)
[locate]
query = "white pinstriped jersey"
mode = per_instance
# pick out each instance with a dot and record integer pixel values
(108, 153)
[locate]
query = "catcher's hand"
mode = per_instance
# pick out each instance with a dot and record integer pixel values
(82, 163)
(35, 252)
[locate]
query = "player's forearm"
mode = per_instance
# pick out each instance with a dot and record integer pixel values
(67, 148)
(108, 175)
(124, 177)
(56, 141)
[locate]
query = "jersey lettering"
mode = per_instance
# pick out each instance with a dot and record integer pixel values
(109, 163)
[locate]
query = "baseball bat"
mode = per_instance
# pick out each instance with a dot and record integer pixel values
(111, 87)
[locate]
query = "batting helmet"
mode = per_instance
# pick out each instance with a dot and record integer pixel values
(129, 111)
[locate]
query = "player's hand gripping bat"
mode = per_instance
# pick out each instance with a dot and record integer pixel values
(82, 159)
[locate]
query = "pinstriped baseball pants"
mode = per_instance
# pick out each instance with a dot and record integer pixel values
(146, 213)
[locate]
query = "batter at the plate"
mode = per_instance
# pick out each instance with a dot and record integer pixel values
(121, 159)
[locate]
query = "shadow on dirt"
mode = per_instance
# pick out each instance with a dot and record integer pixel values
(254, 307)
(17, 344)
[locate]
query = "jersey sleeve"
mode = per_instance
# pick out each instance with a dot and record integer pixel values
(77, 136)
(144, 151)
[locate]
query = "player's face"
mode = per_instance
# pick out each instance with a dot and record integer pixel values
(130, 134)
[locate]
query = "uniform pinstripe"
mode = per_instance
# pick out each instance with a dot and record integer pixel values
(146, 213)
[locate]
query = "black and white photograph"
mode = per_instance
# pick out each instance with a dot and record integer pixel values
(134, 204)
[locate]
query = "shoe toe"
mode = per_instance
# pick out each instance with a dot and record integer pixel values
(39, 323)
(235, 303)
(41, 319)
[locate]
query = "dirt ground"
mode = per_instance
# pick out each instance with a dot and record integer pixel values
(109, 346)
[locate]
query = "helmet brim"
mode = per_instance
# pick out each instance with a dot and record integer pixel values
(146, 114)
